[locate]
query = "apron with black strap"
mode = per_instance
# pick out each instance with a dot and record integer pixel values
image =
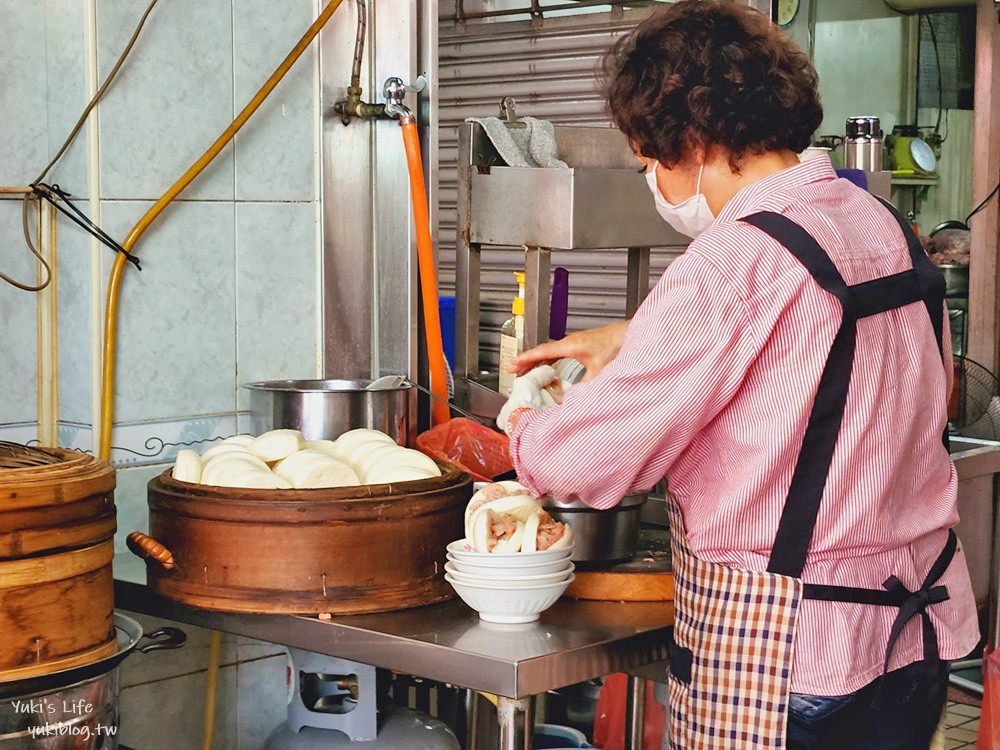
(734, 634)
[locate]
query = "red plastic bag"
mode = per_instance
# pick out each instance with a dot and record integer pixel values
(476, 448)
(609, 718)
(989, 719)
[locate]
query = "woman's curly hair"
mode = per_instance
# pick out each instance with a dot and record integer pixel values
(711, 73)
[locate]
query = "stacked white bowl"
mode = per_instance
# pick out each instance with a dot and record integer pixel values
(508, 588)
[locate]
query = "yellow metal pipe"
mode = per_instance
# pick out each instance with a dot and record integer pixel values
(117, 270)
(211, 690)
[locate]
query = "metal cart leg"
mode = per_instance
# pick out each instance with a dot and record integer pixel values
(467, 267)
(471, 720)
(467, 281)
(537, 290)
(635, 712)
(517, 723)
(637, 283)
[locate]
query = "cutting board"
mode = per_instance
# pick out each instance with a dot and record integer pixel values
(645, 578)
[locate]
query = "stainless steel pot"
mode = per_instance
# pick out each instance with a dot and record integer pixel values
(601, 535)
(323, 409)
(956, 280)
(75, 709)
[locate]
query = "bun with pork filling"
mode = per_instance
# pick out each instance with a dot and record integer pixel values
(503, 517)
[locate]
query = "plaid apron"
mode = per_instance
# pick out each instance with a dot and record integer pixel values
(734, 634)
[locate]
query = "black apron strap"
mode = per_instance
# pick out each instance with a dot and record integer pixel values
(932, 285)
(930, 276)
(895, 594)
(801, 509)
(888, 293)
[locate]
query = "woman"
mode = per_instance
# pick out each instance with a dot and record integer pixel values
(789, 374)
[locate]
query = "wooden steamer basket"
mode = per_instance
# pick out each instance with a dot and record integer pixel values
(344, 550)
(57, 526)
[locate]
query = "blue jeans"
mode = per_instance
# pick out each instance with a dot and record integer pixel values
(910, 704)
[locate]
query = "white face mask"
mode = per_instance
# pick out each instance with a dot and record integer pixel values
(690, 217)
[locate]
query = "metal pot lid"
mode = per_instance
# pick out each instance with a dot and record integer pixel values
(129, 634)
(629, 501)
(321, 386)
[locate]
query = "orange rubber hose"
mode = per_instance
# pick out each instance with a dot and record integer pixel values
(115, 280)
(428, 273)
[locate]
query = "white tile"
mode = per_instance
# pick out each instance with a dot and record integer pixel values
(275, 150)
(262, 700)
(18, 318)
(170, 713)
(276, 293)
(158, 442)
(74, 311)
(23, 139)
(171, 100)
(66, 63)
(131, 501)
(176, 324)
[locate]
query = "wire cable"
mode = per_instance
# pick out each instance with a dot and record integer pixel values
(937, 62)
(25, 205)
(69, 209)
(982, 205)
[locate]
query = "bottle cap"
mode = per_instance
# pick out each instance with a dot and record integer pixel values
(517, 308)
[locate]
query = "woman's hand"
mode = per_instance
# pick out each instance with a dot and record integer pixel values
(593, 348)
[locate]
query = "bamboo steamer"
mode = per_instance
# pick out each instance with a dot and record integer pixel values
(345, 550)
(57, 526)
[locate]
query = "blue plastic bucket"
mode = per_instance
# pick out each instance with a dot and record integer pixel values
(554, 736)
(446, 310)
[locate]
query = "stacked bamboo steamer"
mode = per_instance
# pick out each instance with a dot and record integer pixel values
(57, 526)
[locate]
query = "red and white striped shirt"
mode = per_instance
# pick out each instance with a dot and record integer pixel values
(713, 386)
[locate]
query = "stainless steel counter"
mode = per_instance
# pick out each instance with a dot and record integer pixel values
(574, 641)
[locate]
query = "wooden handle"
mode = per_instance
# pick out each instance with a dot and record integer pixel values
(144, 546)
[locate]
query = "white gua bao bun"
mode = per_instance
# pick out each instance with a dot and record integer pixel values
(276, 444)
(311, 469)
(375, 463)
(513, 511)
(243, 440)
(542, 524)
(324, 446)
(283, 459)
(510, 505)
(488, 494)
(353, 439)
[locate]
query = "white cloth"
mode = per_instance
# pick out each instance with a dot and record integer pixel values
(534, 145)
(529, 392)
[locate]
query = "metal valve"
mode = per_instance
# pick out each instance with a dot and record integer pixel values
(395, 91)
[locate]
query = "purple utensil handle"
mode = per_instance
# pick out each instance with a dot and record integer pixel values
(559, 307)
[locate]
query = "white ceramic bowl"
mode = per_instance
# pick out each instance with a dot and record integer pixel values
(484, 568)
(462, 551)
(502, 579)
(506, 605)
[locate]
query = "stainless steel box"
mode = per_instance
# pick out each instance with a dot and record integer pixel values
(577, 208)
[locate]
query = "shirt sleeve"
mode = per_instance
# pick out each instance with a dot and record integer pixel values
(684, 356)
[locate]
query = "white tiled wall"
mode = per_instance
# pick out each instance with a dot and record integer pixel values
(276, 151)
(18, 341)
(177, 325)
(276, 270)
(173, 98)
(229, 288)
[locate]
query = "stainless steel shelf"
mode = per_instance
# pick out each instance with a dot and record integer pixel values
(914, 181)
(574, 641)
